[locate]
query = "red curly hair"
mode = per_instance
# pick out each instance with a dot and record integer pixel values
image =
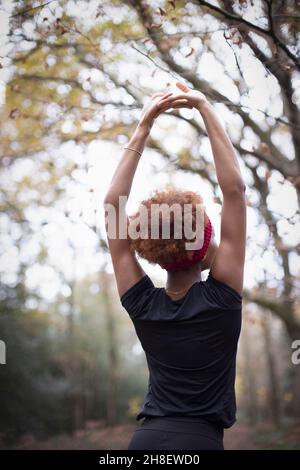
(164, 250)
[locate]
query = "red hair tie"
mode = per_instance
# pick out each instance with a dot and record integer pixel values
(198, 255)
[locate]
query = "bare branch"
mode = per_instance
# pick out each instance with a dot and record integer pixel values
(263, 32)
(24, 12)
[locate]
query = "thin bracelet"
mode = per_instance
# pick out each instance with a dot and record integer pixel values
(133, 150)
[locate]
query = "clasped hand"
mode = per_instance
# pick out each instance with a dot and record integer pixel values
(161, 102)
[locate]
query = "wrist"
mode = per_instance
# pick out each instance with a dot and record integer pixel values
(203, 106)
(139, 138)
(143, 130)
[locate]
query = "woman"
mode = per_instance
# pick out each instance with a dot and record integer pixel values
(190, 329)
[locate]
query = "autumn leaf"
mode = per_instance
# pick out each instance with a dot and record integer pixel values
(295, 181)
(237, 39)
(190, 52)
(264, 148)
(285, 67)
(274, 49)
(227, 34)
(172, 3)
(267, 175)
(14, 113)
(234, 35)
(162, 11)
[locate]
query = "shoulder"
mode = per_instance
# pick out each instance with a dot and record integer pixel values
(221, 295)
(137, 298)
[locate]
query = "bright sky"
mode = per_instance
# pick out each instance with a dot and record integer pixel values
(154, 172)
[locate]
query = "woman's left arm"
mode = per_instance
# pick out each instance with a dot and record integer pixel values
(126, 267)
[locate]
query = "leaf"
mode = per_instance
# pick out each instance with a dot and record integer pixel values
(264, 148)
(190, 52)
(172, 3)
(237, 39)
(153, 25)
(15, 112)
(296, 182)
(162, 11)
(267, 175)
(234, 35)
(274, 49)
(285, 67)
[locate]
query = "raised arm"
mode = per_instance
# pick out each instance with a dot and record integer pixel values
(126, 267)
(228, 264)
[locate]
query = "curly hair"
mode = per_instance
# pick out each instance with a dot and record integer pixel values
(164, 250)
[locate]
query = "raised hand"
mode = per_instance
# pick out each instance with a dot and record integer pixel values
(195, 98)
(159, 103)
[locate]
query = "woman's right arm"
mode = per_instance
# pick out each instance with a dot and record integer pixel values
(127, 269)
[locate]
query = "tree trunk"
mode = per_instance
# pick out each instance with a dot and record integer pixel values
(295, 335)
(111, 406)
(249, 379)
(273, 392)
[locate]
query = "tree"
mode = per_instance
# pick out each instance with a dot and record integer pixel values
(79, 75)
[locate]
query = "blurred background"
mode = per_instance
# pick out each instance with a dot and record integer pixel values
(74, 76)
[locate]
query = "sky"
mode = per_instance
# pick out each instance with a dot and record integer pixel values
(153, 173)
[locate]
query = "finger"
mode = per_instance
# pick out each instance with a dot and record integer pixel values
(183, 106)
(182, 87)
(178, 104)
(178, 107)
(171, 103)
(163, 101)
(156, 95)
(162, 98)
(166, 95)
(170, 99)
(163, 110)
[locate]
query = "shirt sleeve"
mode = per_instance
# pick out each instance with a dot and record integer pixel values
(136, 299)
(222, 295)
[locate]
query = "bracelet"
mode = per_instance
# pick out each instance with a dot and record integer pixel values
(134, 150)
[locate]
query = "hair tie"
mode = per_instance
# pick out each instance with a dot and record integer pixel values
(198, 255)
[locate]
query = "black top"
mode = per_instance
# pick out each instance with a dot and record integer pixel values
(190, 346)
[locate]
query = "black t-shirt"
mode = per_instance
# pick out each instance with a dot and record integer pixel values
(190, 346)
